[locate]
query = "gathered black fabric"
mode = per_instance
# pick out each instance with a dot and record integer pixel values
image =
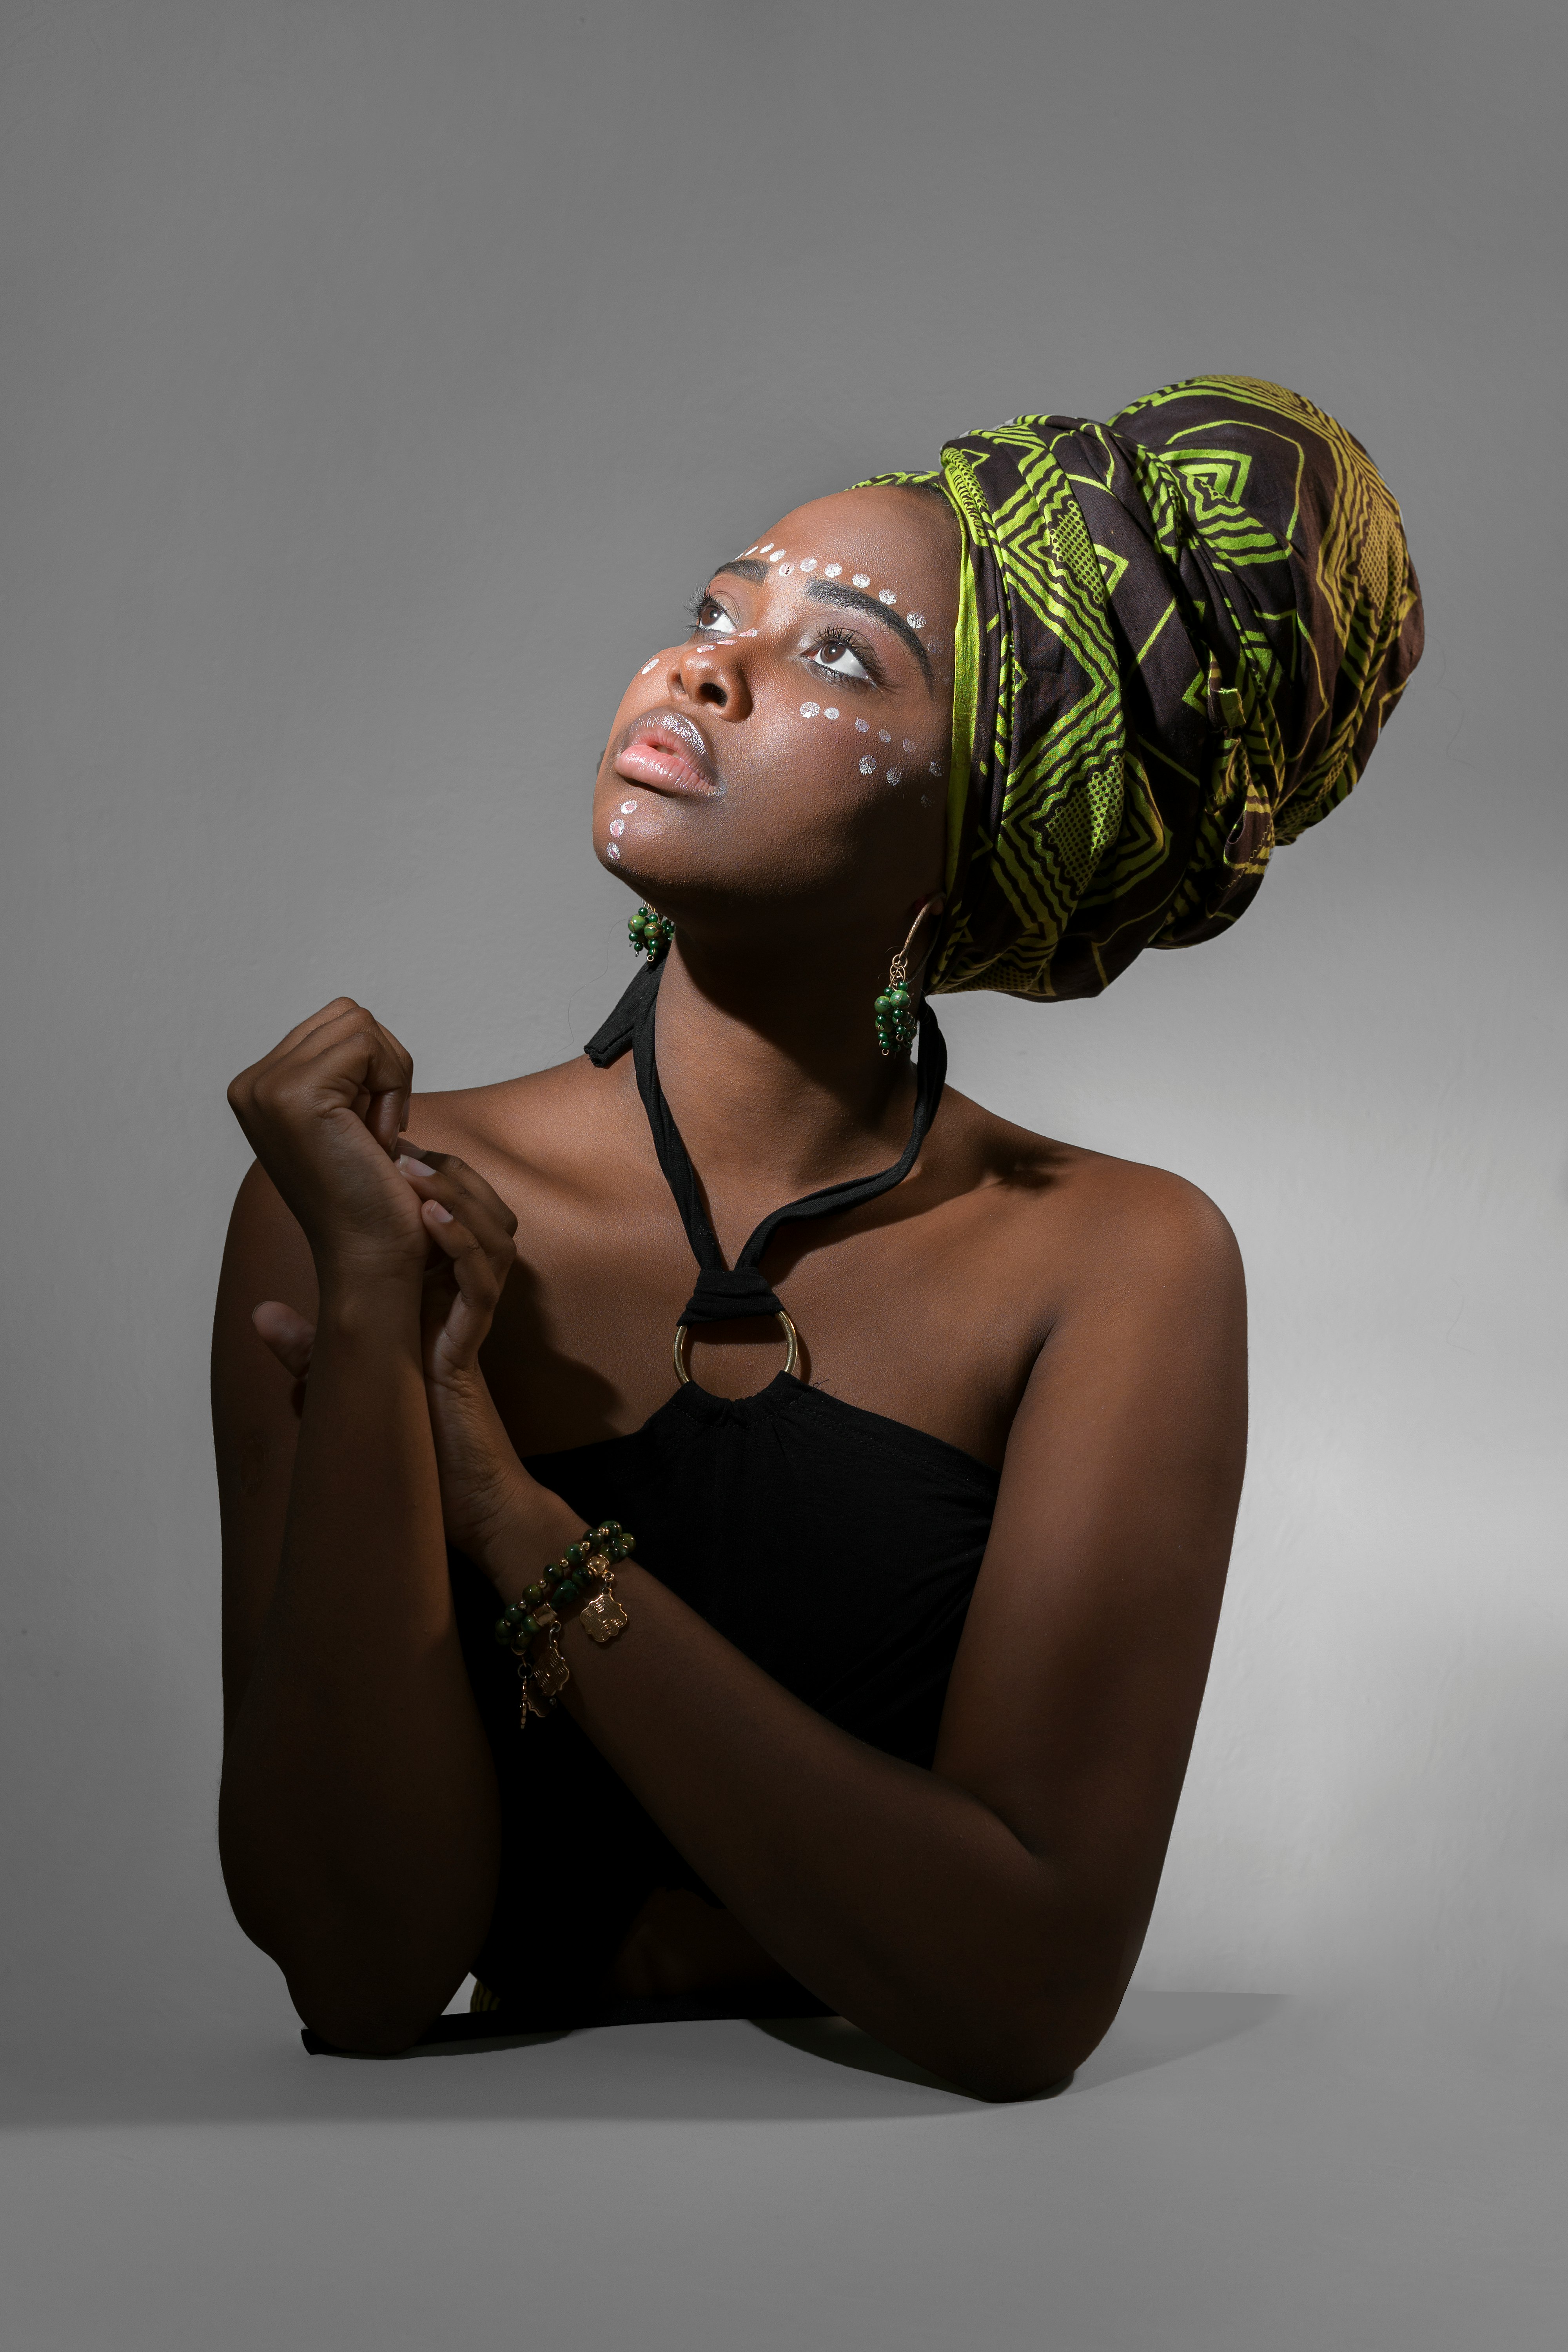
(835, 1546)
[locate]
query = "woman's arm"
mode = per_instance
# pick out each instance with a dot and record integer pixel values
(985, 1917)
(358, 1815)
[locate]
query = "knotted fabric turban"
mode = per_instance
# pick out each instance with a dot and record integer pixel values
(1179, 634)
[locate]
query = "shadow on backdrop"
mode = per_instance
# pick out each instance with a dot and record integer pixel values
(728, 2070)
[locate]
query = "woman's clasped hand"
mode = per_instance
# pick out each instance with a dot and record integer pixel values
(323, 1113)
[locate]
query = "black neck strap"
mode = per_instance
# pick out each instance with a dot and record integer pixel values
(726, 1294)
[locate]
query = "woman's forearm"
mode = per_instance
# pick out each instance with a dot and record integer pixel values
(358, 1820)
(897, 1897)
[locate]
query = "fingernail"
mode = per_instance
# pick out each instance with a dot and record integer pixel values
(413, 1166)
(442, 1217)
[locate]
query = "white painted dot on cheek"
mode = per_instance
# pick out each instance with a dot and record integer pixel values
(626, 807)
(909, 746)
(647, 666)
(895, 775)
(809, 709)
(883, 736)
(868, 765)
(862, 727)
(618, 826)
(862, 578)
(612, 850)
(831, 571)
(936, 767)
(916, 620)
(830, 712)
(808, 563)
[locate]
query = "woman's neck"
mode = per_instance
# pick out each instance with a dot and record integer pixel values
(773, 1073)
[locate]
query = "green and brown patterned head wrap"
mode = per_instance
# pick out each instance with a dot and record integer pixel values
(1179, 634)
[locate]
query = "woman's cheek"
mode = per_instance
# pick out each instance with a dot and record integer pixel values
(895, 760)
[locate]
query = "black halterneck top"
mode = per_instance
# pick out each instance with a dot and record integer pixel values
(836, 1547)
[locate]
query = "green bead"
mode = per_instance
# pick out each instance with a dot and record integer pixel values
(535, 1593)
(569, 1589)
(898, 996)
(573, 1555)
(503, 1632)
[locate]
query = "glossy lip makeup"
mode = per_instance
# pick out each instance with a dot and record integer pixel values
(668, 752)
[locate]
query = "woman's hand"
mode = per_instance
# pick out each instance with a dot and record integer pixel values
(323, 1113)
(469, 1229)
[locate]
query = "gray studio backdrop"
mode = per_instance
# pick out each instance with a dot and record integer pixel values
(381, 379)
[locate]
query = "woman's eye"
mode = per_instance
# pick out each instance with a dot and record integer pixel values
(713, 620)
(839, 659)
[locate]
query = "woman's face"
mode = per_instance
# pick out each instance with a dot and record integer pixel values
(792, 755)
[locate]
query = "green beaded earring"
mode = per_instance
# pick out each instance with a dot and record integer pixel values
(650, 934)
(895, 1007)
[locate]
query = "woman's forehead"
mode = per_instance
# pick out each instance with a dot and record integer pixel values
(900, 537)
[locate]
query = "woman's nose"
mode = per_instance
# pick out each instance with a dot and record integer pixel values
(712, 674)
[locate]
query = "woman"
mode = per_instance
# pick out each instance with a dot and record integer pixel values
(894, 1696)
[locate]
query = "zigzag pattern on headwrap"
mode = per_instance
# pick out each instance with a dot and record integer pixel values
(1179, 636)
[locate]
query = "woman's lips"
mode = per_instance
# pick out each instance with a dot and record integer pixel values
(668, 752)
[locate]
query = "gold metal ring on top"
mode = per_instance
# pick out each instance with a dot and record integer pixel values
(683, 1333)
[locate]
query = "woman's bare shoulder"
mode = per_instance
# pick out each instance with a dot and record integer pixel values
(1115, 1217)
(546, 1123)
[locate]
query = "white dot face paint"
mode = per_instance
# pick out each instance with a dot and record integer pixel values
(626, 807)
(830, 712)
(862, 727)
(764, 547)
(809, 709)
(909, 746)
(831, 571)
(883, 736)
(916, 620)
(861, 579)
(887, 595)
(613, 851)
(647, 666)
(936, 767)
(868, 765)
(895, 775)
(783, 572)
(808, 563)
(775, 555)
(618, 826)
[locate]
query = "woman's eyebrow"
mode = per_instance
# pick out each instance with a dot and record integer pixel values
(744, 567)
(832, 592)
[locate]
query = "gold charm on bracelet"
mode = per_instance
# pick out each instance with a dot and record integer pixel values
(604, 1619)
(550, 1673)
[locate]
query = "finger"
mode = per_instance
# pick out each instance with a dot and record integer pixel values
(302, 1030)
(473, 1204)
(363, 1063)
(471, 1191)
(289, 1336)
(476, 1277)
(389, 1111)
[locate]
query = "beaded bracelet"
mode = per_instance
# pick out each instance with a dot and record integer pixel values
(534, 1618)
